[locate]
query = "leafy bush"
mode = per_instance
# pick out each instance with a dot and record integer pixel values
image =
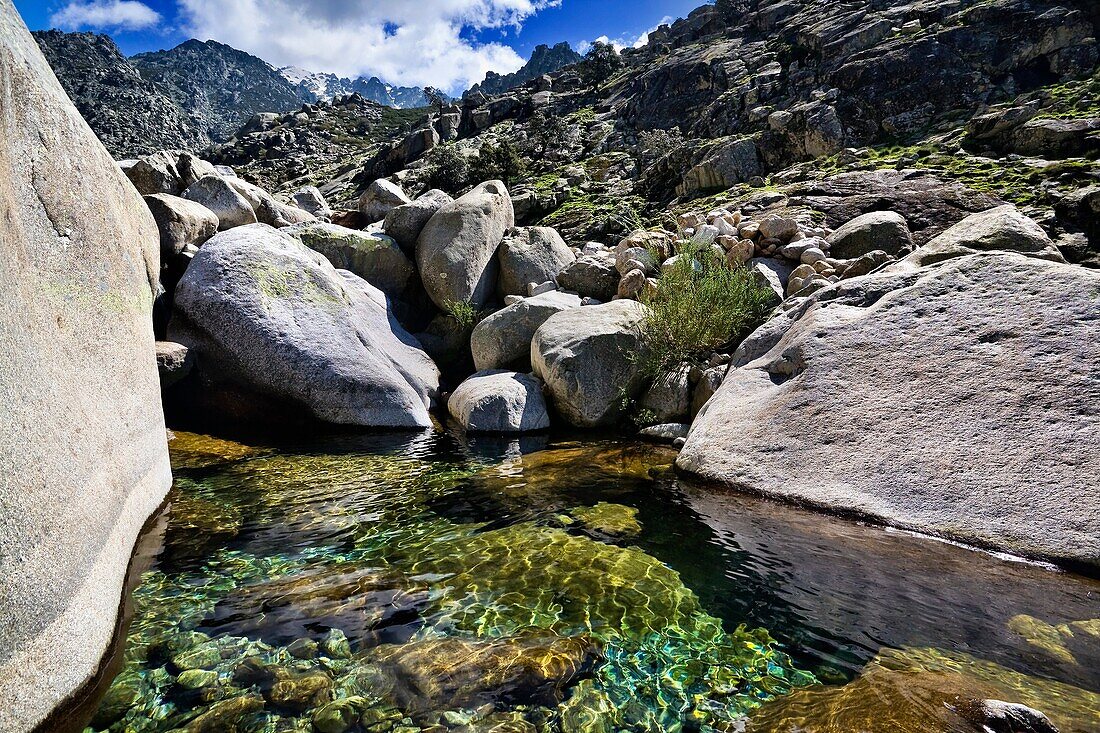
(600, 64)
(702, 304)
(498, 162)
(464, 313)
(447, 169)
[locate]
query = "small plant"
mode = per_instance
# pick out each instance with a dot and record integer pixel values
(464, 313)
(702, 304)
(447, 169)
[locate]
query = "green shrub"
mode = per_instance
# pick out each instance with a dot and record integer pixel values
(498, 162)
(447, 169)
(464, 313)
(699, 309)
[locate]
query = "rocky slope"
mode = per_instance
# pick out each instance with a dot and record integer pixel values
(216, 85)
(131, 115)
(544, 60)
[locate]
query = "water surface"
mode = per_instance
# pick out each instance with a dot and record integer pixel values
(425, 582)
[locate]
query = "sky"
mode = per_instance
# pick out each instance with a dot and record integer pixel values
(444, 43)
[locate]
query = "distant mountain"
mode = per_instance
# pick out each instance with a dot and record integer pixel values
(131, 115)
(544, 60)
(217, 86)
(315, 86)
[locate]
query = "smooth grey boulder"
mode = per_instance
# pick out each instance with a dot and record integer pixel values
(531, 255)
(268, 318)
(174, 362)
(404, 223)
(181, 222)
(878, 230)
(83, 448)
(667, 433)
(456, 250)
(1003, 228)
(668, 399)
(591, 276)
(215, 193)
(374, 257)
(155, 173)
(310, 199)
(380, 198)
(773, 273)
(268, 210)
(957, 400)
(504, 338)
(591, 360)
(497, 401)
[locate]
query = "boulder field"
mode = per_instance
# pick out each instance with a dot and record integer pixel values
(83, 449)
(958, 399)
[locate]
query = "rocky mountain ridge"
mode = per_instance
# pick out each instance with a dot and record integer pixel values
(322, 87)
(544, 60)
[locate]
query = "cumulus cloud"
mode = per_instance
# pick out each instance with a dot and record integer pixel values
(125, 15)
(426, 42)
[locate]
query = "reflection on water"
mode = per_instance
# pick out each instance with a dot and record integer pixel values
(417, 582)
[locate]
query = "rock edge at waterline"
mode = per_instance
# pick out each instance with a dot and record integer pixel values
(958, 400)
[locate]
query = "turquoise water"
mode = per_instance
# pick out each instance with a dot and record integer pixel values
(424, 582)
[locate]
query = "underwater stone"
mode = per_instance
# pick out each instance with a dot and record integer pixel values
(193, 679)
(225, 715)
(301, 693)
(338, 716)
(205, 656)
(609, 519)
(336, 645)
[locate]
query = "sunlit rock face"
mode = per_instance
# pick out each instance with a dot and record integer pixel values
(83, 454)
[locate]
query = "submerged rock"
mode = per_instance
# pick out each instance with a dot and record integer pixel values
(83, 451)
(941, 380)
(614, 520)
(456, 673)
(267, 317)
(931, 691)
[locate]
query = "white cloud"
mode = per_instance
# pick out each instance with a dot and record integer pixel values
(125, 15)
(623, 42)
(421, 42)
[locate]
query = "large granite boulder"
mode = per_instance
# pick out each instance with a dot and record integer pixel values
(404, 223)
(181, 222)
(215, 193)
(497, 401)
(456, 251)
(1002, 228)
(504, 338)
(591, 360)
(957, 400)
(591, 276)
(268, 210)
(531, 255)
(83, 450)
(380, 198)
(374, 257)
(878, 230)
(275, 328)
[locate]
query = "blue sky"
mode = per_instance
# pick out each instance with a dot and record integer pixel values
(447, 43)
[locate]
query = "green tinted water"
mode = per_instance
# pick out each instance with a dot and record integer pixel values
(397, 583)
